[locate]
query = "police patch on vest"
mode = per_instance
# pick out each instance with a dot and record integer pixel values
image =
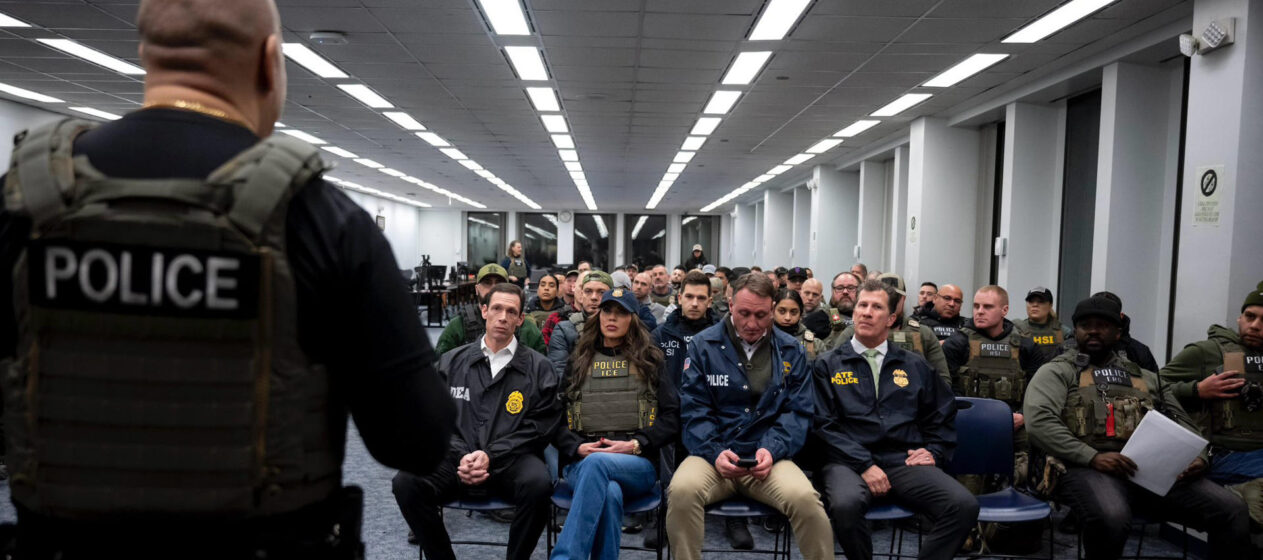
(142, 280)
(943, 332)
(1253, 364)
(995, 350)
(901, 378)
(515, 402)
(1111, 376)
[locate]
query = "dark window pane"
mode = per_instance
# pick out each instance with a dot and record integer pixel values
(593, 239)
(484, 242)
(646, 241)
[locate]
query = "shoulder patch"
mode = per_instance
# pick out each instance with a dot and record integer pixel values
(686, 364)
(809, 336)
(914, 323)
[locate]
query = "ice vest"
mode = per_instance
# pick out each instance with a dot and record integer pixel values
(158, 368)
(611, 399)
(1107, 405)
(993, 370)
(1241, 416)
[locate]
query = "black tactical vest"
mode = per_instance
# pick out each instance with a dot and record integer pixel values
(993, 370)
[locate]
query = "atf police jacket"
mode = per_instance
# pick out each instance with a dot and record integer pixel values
(915, 409)
(718, 411)
(514, 414)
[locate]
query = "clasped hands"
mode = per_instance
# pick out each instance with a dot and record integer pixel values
(875, 478)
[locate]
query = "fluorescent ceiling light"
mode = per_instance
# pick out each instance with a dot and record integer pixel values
(676, 168)
(568, 155)
(705, 126)
(600, 226)
(799, 159)
(684, 157)
(777, 18)
(686, 221)
(670, 177)
(1056, 20)
(639, 224)
(554, 123)
(563, 141)
(308, 59)
(721, 102)
(543, 98)
(404, 119)
(348, 185)
(506, 16)
(824, 145)
(574, 166)
(762, 178)
(454, 153)
(485, 174)
(902, 104)
(527, 63)
(745, 67)
(693, 143)
(471, 164)
(578, 176)
(856, 128)
(6, 21)
(96, 113)
(660, 233)
(778, 170)
(28, 94)
(369, 163)
(339, 152)
(366, 96)
(433, 139)
(94, 56)
(392, 172)
(968, 67)
(303, 136)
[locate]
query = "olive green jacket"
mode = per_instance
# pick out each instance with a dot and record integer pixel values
(1046, 398)
(1196, 362)
(933, 350)
(454, 336)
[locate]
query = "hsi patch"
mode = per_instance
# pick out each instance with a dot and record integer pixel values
(844, 378)
(515, 403)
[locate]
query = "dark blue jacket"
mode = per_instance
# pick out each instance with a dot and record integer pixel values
(718, 412)
(859, 431)
(673, 336)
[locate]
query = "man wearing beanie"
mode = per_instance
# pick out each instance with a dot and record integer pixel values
(1220, 382)
(1081, 408)
(588, 294)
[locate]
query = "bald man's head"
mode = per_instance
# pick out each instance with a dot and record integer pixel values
(229, 50)
(948, 301)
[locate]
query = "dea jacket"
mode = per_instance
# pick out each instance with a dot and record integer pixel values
(514, 414)
(716, 408)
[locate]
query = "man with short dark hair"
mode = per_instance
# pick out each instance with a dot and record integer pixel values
(845, 289)
(860, 271)
(468, 326)
(746, 405)
(566, 331)
(662, 294)
(886, 423)
(925, 297)
(795, 277)
(1082, 407)
(909, 334)
(641, 286)
(567, 287)
(506, 410)
(944, 316)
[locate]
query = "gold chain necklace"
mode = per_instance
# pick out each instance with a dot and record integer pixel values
(196, 108)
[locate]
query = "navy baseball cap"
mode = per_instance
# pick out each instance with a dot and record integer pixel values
(623, 297)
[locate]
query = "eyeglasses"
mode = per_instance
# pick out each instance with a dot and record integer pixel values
(845, 288)
(955, 300)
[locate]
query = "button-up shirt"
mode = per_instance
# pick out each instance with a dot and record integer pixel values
(499, 359)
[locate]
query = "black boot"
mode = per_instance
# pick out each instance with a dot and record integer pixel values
(651, 533)
(738, 534)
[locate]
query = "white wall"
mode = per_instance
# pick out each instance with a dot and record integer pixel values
(897, 201)
(943, 182)
(871, 222)
(1030, 215)
(802, 226)
(403, 228)
(743, 236)
(836, 198)
(16, 117)
(778, 225)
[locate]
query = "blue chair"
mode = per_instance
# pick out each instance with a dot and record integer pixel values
(471, 504)
(563, 496)
(739, 506)
(882, 510)
(984, 446)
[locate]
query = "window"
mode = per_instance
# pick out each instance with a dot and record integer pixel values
(484, 240)
(592, 239)
(700, 230)
(538, 235)
(646, 241)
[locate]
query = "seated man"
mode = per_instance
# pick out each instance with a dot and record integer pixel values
(745, 396)
(506, 413)
(1220, 381)
(565, 334)
(886, 421)
(468, 325)
(1066, 403)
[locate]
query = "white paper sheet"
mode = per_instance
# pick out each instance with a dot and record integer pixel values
(1162, 449)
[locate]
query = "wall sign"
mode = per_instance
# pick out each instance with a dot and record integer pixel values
(1210, 182)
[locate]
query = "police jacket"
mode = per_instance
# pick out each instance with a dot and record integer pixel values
(933, 350)
(673, 337)
(653, 439)
(514, 414)
(453, 335)
(565, 334)
(718, 412)
(943, 328)
(914, 409)
(956, 349)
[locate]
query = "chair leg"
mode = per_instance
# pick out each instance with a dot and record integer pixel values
(1140, 543)
(548, 531)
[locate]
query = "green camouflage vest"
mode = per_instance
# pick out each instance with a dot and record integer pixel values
(1120, 392)
(611, 399)
(158, 368)
(993, 370)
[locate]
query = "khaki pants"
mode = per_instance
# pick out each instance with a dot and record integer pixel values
(697, 484)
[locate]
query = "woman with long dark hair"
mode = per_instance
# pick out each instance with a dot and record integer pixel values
(620, 411)
(788, 314)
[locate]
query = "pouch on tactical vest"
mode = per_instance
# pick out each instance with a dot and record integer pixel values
(611, 399)
(158, 369)
(993, 370)
(1240, 416)
(909, 337)
(1107, 406)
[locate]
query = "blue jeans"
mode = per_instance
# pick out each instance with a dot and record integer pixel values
(594, 524)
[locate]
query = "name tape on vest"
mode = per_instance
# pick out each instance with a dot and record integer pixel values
(1254, 364)
(943, 332)
(1111, 376)
(995, 350)
(141, 280)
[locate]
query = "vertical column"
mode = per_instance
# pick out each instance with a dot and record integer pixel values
(1219, 253)
(1134, 186)
(674, 258)
(872, 212)
(760, 229)
(565, 241)
(897, 197)
(837, 206)
(778, 228)
(743, 226)
(802, 227)
(1030, 215)
(942, 193)
(620, 243)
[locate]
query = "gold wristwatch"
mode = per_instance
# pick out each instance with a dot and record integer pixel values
(635, 446)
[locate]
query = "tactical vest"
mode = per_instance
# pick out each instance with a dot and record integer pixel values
(1107, 406)
(663, 300)
(158, 369)
(808, 341)
(943, 331)
(908, 337)
(471, 320)
(1241, 416)
(993, 370)
(517, 267)
(613, 398)
(1048, 338)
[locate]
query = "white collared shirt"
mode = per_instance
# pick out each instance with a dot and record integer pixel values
(499, 359)
(746, 346)
(881, 350)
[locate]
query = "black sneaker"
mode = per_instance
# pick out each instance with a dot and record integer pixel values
(651, 535)
(738, 534)
(501, 515)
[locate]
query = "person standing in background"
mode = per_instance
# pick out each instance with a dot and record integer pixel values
(515, 263)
